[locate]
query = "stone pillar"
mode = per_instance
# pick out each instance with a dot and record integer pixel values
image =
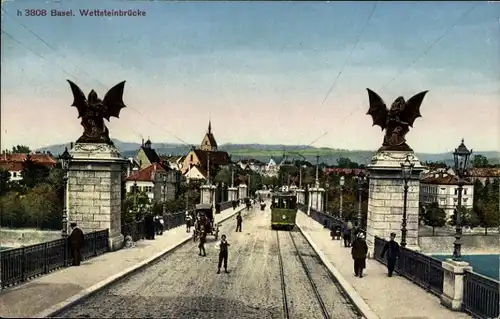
(453, 283)
(386, 198)
(232, 193)
(316, 195)
(243, 191)
(301, 196)
(94, 190)
(207, 194)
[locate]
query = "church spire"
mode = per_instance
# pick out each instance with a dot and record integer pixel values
(209, 127)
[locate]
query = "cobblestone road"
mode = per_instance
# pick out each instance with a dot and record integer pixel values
(184, 285)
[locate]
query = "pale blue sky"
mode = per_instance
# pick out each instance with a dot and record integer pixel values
(261, 69)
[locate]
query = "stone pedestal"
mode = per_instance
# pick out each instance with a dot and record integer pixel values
(453, 283)
(232, 193)
(316, 198)
(94, 190)
(386, 198)
(301, 196)
(207, 194)
(242, 191)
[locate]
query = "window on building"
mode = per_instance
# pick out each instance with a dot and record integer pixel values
(14, 174)
(456, 191)
(134, 189)
(465, 191)
(191, 158)
(147, 189)
(455, 200)
(465, 200)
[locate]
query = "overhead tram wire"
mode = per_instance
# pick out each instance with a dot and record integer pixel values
(424, 53)
(350, 53)
(71, 75)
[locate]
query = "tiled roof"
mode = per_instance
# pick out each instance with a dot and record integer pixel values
(485, 172)
(442, 179)
(15, 161)
(216, 157)
(146, 174)
(151, 154)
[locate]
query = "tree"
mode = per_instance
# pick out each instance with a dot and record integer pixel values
(480, 161)
(344, 162)
(13, 213)
(4, 181)
(33, 173)
(434, 216)
(23, 149)
(490, 215)
(468, 217)
(224, 176)
(43, 207)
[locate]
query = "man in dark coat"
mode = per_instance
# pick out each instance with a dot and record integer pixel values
(223, 253)
(149, 225)
(239, 221)
(76, 242)
(359, 251)
(392, 250)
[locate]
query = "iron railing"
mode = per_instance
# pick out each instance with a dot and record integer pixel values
(481, 296)
(421, 269)
(21, 264)
(135, 230)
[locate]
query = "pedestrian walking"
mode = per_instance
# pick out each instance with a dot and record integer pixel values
(76, 242)
(359, 251)
(392, 250)
(346, 232)
(203, 239)
(189, 222)
(239, 220)
(223, 253)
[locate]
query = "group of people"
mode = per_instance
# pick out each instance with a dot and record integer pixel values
(359, 252)
(153, 225)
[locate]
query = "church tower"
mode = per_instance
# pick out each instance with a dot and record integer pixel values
(208, 143)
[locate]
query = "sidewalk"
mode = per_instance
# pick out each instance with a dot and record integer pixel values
(35, 296)
(389, 298)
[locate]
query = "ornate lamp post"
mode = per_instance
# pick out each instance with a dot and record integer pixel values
(65, 159)
(361, 180)
(406, 169)
(342, 182)
(461, 157)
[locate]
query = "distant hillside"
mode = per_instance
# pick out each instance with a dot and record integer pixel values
(264, 152)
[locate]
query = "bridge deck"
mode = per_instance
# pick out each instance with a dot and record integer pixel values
(389, 298)
(37, 295)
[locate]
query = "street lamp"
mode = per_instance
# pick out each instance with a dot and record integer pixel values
(326, 196)
(164, 177)
(461, 157)
(342, 182)
(361, 181)
(406, 169)
(65, 159)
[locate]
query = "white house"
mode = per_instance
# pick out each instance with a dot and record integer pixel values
(153, 180)
(196, 173)
(442, 188)
(14, 162)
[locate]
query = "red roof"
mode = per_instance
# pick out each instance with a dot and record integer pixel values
(15, 161)
(146, 174)
(442, 179)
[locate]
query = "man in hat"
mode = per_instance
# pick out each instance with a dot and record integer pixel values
(76, 242)
(392, 250)
(239, 221)
(359, 251)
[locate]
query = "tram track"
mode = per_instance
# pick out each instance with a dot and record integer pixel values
(325, 291)
(286, 311)
(321, 303)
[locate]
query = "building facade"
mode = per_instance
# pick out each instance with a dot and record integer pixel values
(14, 162)
(442, 188)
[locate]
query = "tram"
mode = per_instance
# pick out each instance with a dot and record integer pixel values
(283, 210)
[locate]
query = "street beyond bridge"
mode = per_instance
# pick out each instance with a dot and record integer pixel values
(185, 285)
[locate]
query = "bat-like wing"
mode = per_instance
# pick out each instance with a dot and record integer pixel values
(411, 110)
(113, 100)
(80, 101)
(378, 110)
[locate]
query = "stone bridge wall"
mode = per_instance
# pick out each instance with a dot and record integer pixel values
(472, 244)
